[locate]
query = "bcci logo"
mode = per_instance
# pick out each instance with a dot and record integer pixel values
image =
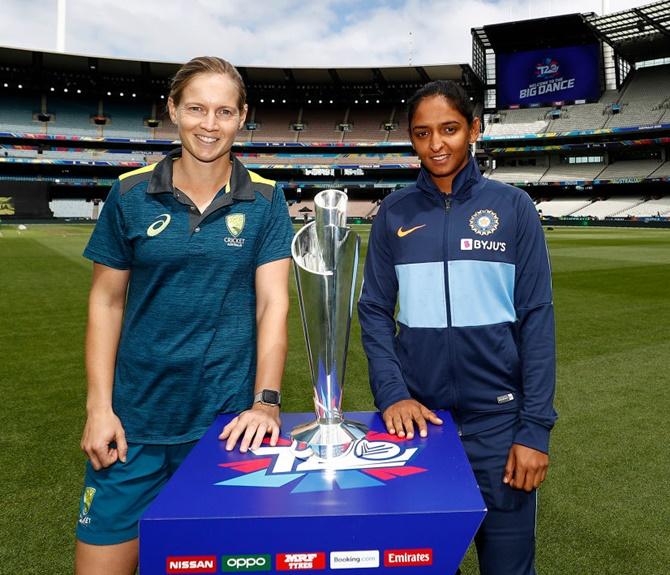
(370, 462)
(546, 69)
(484, 222)
(235, 225)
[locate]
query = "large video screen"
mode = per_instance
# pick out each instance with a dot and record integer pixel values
(539, 77)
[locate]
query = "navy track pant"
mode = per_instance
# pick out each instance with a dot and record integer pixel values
(506, 539)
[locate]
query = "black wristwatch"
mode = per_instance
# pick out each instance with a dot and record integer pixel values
(268, 397)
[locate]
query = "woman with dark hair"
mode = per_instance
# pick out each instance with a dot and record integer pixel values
(465, 259)
(187, 314)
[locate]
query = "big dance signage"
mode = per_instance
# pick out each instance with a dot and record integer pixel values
(550, 75)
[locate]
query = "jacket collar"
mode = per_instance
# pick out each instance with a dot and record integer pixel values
(461, 187)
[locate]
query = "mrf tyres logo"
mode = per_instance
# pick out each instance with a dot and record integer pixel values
(245, 563)
(300, 561)
(370, 462)
(191, 564)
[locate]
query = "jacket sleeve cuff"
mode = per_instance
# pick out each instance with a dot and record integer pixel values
(533, 435)
(398, 393)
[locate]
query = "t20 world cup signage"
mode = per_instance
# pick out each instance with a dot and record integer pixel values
(539, 77)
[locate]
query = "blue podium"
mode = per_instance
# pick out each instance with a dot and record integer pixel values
(389, 505)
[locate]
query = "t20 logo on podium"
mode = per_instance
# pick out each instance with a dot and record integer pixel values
(370, 462)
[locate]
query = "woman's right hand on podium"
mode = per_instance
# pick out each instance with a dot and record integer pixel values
(104, 440)
(400, 418)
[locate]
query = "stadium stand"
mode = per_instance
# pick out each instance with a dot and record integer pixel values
(17, 113)
(297, 210)
(642, 97)
(662, 172)
(328, 159)
(367, 124)
(125, 120)
(630, 169)
(274, 124)
(399, 121)
(72, 117)
(560, 207)
(515, 174)
(581, 117)
(321, 125)
(518, 122)
(607, 208)
(641, 102)
(649, 209)
(166, 130)
(75, 209)
(570, 153)
(572, 172)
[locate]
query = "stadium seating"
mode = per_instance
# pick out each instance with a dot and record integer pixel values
(126, 121)
(367, 124)
(74, 209)
(518, 174)
(355, 209)
(641, 98)
(560, 207)
(607, 208)
(320, 125)
(16, 114)
(630, 169)
(294, 209)
(328, 159)
(72, 117)
(643, 101)
(663, 171)
(519, 122)
(399, 118)
(650, 208)
(274, 125)
(572, 172)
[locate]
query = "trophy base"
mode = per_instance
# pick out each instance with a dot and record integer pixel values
(326, 440)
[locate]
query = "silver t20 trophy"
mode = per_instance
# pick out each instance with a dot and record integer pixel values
(325, 256)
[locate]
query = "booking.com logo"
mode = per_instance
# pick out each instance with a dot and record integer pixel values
(245, 563)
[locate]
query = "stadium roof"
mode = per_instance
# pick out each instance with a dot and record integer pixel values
(551, 32)
(637, 34)
(40, 70)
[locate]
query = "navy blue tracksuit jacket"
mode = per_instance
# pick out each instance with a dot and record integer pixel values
(474, 332)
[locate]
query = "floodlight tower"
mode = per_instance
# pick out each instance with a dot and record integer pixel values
(60, 26)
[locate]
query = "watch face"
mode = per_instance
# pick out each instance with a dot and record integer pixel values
(270, 396)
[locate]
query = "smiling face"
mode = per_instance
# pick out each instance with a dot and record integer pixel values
(441, 138)
(208, 117)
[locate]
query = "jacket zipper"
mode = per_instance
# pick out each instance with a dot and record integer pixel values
(450, 350)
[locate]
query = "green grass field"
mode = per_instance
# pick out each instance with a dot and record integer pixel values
(603, 511)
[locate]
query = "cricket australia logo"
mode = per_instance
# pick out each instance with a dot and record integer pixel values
(235, 225)
(370, 462)
(86, 502)
(484, 222)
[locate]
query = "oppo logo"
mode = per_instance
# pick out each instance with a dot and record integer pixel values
(245, 563)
